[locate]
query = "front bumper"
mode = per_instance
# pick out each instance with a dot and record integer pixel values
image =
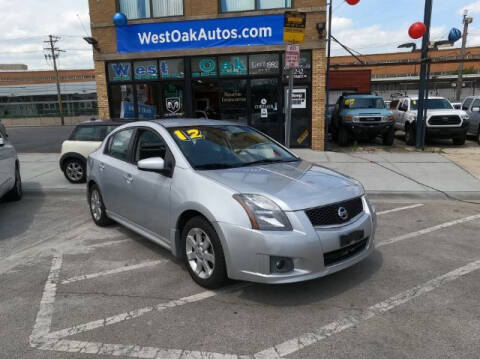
(248, 251)
(368, 129)
(446, 132)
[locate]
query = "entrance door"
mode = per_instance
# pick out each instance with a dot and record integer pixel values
(300, 128)
(265, 102)
(206, 98)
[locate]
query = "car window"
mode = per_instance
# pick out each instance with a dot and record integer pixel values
(364, 102)
(466, 104)
(119, 144)
(87, 133)
(394, 104)
(476, 103)
(149, 144)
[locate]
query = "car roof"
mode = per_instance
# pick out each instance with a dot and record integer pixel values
(429, 97)
(362, 95)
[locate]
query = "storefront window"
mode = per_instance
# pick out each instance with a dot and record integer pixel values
(233, 101)
(163, 8)
(236, 5)
(135, 9)
(172, 69)
(121, 101)
(232, 65)
(274, 4)
(204, 67)
(145, 70)
(206, 99)
(304, 71)
(173, 100)
(120, 71)
(147, 101)
(264, 64)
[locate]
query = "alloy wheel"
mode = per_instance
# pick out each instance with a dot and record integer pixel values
(96, 205)
(200, 253)
(74, 171)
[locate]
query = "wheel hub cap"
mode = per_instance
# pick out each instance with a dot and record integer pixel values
(200, 253)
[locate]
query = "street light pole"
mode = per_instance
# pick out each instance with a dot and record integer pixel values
(327, 79)
(420, 130)
(466, 21)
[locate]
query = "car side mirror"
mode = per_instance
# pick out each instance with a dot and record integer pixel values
(2, 142)
(475, 109)
(152, 164)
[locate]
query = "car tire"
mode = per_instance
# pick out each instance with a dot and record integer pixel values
(459, 141)
(389, 137)
(410, 135)
(203, 253)
(97, 207)
(16, 193)
(75, 170)
(343, 137)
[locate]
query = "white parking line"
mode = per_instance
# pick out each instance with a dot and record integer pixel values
(400, 209)
(307, 339)
(113, 271)
(109, 243)
(427, 230)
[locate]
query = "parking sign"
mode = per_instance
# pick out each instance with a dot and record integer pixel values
(292, 56)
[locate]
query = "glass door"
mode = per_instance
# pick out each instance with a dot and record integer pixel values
(206, 93)
(300, 129)
(265, 108)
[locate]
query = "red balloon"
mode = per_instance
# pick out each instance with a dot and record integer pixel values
(417, 30)
(352, 2)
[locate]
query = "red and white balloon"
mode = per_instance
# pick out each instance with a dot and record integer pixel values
(417, 30)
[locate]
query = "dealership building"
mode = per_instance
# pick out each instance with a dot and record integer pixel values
(220, 58)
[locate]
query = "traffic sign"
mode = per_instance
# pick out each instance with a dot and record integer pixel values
(294, 27)
(292, 56)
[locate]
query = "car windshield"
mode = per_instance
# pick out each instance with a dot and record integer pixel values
(364, 102)
(433, 104)
(227, 146)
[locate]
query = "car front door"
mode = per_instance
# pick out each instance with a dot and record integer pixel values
(117, 172)
(7, 164)
(474, 115)
(150, 200)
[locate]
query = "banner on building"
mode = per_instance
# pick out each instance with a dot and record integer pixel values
(195, 34)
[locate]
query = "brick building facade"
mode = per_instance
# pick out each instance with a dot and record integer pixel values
(230, 81)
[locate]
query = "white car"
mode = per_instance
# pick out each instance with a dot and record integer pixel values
(10, 180)
(85, 138)
(442, 121)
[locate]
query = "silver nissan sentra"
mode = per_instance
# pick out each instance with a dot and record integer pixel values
(229, 201)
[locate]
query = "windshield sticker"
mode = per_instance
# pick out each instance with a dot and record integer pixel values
(414, 102)
(349, 102)
(191, 134)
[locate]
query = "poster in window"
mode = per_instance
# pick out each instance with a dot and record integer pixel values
(120, 71)
(233, 65)
(145, 70)
(264, 64)
(204, 67)
(172, 69)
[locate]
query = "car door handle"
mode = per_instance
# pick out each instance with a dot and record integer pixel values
(128, 178)
(101, 166)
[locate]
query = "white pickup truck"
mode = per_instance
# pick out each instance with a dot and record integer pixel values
(442, 121)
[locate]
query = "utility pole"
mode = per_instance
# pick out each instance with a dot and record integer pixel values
(466, 21)
(327, 77)
(53, 55)
(420, 130)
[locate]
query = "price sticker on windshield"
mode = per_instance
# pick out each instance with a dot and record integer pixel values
(349, 101)
(190, 134)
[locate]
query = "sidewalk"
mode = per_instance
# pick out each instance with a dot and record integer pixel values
(415, 174)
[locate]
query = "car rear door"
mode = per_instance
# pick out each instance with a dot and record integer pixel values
(150, 202)
(7, 165)
(116, 170)
(474, 115)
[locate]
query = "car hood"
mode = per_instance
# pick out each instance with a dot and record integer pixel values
(292, 185)
(366, 112)
(441, 112)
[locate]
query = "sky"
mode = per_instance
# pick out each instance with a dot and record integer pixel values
(372, 26)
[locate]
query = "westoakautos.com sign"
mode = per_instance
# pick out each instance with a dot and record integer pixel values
(238, 31)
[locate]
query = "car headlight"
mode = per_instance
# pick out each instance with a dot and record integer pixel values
(264, 214)
(465, 117)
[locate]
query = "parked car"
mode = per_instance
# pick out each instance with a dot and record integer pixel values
(10, 179)
(229, 201)
(362, 116)
(442, 121)
(85, 138)
(471, 105)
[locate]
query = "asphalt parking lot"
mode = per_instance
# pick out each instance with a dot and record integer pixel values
(72, 290)
(47, 139)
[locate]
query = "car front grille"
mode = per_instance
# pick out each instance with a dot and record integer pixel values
(370, 119)
(344, 253)
(444, 120)
(329, 215)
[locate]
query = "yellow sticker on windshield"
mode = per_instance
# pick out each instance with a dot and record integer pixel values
(414, 102)
(190, 134)
(349, 101)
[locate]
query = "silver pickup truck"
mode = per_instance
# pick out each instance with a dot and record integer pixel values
(442, 121)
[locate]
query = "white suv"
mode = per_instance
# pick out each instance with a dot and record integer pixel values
(10, 180)
(442, 121)
(85, 138)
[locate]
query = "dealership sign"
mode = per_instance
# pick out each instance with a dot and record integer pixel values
(195, 34)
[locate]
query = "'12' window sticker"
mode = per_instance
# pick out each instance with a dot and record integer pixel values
(187, 135)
